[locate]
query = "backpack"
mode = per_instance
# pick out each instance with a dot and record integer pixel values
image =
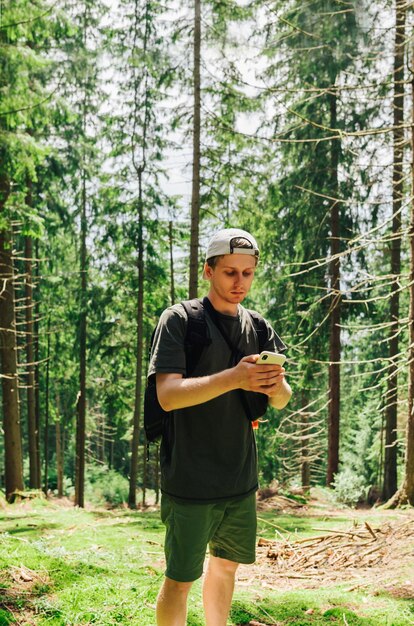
(196, 339)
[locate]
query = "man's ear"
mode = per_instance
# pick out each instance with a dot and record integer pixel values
(207, 271)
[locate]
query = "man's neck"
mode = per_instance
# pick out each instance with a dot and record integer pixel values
(221, 306)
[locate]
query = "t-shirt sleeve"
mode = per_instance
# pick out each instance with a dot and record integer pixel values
(168, 352)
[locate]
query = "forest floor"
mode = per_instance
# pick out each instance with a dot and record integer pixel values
(317, 564)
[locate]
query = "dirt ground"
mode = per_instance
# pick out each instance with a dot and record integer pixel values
(375, 555)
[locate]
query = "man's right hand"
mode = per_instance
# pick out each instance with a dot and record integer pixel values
(259, 378)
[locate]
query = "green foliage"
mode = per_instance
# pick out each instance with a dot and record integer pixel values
(349, 487)
(6, 618)
(105, 485)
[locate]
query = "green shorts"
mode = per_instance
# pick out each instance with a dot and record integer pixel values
(228, 528)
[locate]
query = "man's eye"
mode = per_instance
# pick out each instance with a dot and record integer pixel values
(230, 273)
(247, 274)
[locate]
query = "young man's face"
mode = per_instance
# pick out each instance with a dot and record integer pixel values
(231, 279)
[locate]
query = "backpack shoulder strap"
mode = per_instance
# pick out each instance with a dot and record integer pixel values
(196, 337)
(261, 328)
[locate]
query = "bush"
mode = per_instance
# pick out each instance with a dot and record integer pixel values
(105, 485)
(349, 487)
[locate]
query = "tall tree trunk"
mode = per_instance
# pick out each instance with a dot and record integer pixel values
(144, 478)
(195, 196)
(37, 352)
(157, 476)
(171, 244)
(81, 401)
(8, 348)
(407, 490)
(140, 169)
(32, 427)
(335, 304)
(305, 463)
(138, 367)
(111, 453)
(46, 428)
(390, 460)
(59, 449)
(101, 438)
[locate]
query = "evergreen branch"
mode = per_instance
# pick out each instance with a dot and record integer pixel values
(30, 107)
(288, 23)
(29, 20)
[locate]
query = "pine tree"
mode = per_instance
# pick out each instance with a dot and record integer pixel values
(390, 461)
(319, 47)
(24, 31)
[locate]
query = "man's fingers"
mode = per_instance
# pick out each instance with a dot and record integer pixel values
(260, 378)
(252, 358)
(269, 376)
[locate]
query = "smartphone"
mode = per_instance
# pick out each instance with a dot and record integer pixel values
(271, 358)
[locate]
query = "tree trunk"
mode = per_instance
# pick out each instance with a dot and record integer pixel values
(81, 400)
(195, 196)
(171, 244)
(305, 464)
(144, 478)
(8, 348)
(138, 368)
(102, 439)
(157, 475)
(46, 428)
(32, 427)
(407, 490)
(59, 449)
(140, 169)
(390, 460)
(335, 316)
(37, 354)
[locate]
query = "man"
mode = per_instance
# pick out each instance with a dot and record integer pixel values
(209, 464)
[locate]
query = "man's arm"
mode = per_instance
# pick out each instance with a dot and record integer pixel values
(176, 392)
(282, 394)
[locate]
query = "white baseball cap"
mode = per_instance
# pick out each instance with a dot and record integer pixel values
(223, 243)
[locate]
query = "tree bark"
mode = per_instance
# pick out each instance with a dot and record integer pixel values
(46, 425)
(157, 475)
(335, 305)
(390, 458)
(140, 169)
(171, 244)
(305, 464)
(37, 353)
(8, 348)
(144, 478)
(32, 426)
(138, 367)
(59, 449)
(81, 401)
(407, 490)
(195, 196)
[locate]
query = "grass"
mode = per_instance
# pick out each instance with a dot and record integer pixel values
(105, 567)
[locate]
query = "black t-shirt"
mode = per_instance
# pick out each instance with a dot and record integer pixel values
(211, 450)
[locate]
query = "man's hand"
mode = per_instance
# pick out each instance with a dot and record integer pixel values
(267, 379)
(261, 378)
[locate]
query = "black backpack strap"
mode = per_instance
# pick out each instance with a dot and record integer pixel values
(261, 328)
(196, 338)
